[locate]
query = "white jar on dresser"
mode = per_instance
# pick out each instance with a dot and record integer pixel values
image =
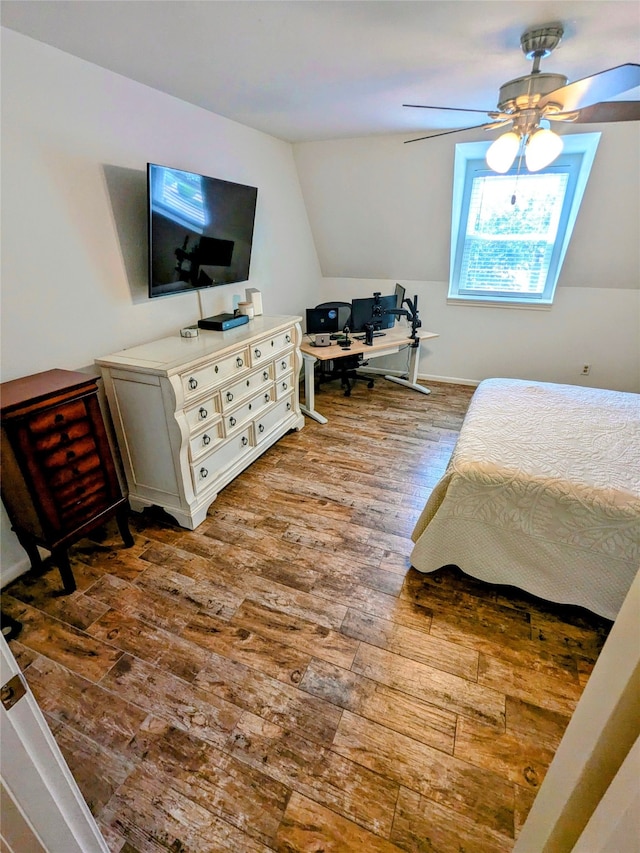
(191, 413)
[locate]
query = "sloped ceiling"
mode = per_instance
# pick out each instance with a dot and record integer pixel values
(327, 69)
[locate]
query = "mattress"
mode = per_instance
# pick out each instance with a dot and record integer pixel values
(542, 492)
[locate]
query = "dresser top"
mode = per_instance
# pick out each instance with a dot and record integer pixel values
(168, 355)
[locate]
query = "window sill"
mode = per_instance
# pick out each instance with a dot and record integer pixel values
(498, 303)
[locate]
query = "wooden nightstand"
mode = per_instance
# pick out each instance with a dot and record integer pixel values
(58, 475)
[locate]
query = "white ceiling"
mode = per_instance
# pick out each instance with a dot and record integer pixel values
(321, 69)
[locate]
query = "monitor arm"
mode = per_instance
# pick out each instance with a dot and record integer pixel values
(411, 314)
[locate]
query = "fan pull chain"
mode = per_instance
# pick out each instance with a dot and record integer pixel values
(515, 187)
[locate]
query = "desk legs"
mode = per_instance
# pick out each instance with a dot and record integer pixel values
(412, 379)
(310, 390)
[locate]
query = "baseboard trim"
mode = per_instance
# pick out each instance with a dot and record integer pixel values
(427, 377)
(14, 572)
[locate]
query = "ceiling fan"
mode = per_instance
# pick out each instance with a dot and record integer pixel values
(531, 102)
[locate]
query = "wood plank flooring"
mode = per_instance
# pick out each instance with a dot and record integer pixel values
(281, 679)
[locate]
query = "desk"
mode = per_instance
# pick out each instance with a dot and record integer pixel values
(393, 341)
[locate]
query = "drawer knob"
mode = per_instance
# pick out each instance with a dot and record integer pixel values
(283, 364)
(250, 406)
(58, 418)
(76, 470)
(260, 427)
(239, 362)
(284, 386)
(266, 397)
(202, 412)
(288, 407)
(245, 441)
(206, 439)
(204, 473)
(287, 338)
(265, 374)
(193, 383)
(70, 454)
(248, 382)
(257, 352)
(232, 421)
(229, 396)
(64, 437)
(215, 369)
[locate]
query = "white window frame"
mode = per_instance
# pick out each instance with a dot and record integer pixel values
(576, 159)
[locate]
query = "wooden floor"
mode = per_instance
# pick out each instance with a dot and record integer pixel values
(281, 679)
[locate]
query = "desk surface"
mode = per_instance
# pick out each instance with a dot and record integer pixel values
(393, 339)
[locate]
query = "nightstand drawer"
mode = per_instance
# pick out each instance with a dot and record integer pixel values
(58, 418)
(50, 441)
(67, 456)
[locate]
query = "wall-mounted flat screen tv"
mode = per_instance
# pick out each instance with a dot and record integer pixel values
(200, 230)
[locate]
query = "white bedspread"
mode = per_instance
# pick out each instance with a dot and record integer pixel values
(542, 492)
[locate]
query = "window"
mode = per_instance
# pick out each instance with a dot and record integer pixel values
(510, 233)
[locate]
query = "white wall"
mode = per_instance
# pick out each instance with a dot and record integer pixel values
(380, 212)
(75, 143)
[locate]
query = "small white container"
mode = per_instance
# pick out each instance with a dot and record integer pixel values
(246, 308)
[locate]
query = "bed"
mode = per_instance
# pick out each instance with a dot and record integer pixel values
(542, 492)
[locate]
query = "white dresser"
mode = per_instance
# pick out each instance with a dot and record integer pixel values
(191, 413)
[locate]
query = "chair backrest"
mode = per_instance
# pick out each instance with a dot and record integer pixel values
(344, 312)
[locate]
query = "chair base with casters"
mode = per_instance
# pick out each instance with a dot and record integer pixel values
(343, 369)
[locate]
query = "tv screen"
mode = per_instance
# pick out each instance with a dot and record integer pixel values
(200, 230)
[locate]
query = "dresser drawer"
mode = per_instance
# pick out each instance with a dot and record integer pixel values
(248, 410)
(269, 347)
(197, 381)
(284, 386)
(206, 440)
(231, 396)
(283, 364)
(204, 412)
(273, 418)
(207, 470)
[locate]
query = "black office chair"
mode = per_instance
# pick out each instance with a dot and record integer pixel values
(345, 368)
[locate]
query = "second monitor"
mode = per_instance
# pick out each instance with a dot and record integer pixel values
(372, 311)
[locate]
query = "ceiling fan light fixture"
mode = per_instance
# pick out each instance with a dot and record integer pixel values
(543, 147)
(503, 151)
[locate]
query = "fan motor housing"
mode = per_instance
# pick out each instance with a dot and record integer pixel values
(525, 92)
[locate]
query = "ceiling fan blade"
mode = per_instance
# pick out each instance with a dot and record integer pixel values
(591, 90)
(454, 109)
(447, 132)
(606, 111)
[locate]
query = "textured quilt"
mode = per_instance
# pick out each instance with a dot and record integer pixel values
(542, 492)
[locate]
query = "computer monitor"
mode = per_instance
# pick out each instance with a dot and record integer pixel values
(321, 320)
(372, 310)
(400, 294)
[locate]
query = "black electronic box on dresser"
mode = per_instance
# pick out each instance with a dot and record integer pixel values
(59, 479)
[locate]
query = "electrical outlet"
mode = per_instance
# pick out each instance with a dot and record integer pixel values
(585, 369)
